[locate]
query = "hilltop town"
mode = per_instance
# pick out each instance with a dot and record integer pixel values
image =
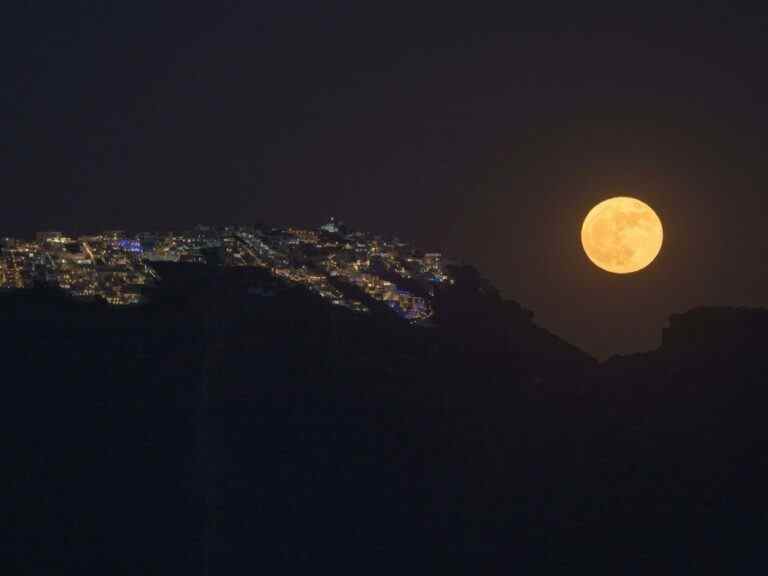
(343, 266)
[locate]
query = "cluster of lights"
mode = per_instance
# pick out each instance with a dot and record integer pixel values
(116, 267)
(106, 266)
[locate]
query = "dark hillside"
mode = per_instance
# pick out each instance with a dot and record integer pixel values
(241, 424)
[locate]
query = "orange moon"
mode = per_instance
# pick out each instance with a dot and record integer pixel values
(622, 235)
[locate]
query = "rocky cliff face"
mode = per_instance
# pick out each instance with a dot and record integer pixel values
(716, 330)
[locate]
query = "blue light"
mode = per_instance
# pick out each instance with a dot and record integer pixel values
(130, 246)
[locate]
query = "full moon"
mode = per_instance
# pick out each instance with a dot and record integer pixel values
(622, 235)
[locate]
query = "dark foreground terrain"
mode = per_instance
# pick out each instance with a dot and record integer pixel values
(220, 431)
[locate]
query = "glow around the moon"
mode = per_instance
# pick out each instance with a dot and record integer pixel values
(622, 235)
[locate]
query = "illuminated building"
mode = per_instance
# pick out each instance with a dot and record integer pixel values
(330, 226)
(52, 237)
(128, 245)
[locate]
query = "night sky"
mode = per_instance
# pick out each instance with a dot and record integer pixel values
(486, 134)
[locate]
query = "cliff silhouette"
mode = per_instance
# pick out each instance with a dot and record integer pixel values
(236, 424)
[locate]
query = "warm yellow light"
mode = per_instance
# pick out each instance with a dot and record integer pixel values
(622, 235)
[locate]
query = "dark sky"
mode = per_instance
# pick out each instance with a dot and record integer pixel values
(487, 134)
